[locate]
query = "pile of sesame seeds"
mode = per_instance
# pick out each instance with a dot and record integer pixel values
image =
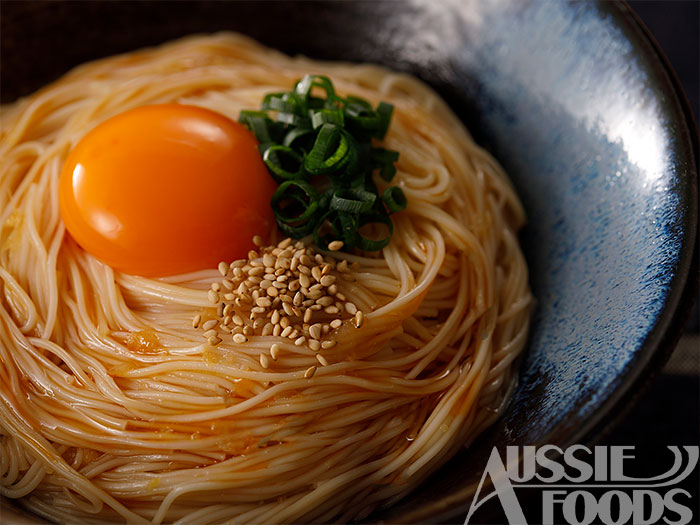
(286, 291)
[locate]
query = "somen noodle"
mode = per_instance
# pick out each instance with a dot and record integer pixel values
(112, 408)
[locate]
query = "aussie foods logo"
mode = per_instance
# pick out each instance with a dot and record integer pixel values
(586, 486)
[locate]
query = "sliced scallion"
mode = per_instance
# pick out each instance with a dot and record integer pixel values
(310, 134)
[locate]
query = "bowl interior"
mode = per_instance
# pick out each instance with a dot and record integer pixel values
(570, 98)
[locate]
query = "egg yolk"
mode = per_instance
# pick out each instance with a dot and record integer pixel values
(166, 189)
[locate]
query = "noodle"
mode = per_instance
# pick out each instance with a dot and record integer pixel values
(113, 409)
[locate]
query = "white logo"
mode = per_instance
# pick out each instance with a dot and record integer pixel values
(645, 501)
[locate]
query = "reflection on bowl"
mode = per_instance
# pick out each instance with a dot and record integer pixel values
(582, 113)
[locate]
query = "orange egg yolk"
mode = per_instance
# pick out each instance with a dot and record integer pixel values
(166, 189)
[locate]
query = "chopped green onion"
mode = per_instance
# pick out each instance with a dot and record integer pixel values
(372, 245)
(394, 198)
(385, 111)
(352, 201)
(297, 137)
(310, 134)
(301, 193)
(284, 162)
(327, 116)
(330, 149)
(259, 123)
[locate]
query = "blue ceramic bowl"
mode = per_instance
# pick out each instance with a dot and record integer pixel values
(586, 117)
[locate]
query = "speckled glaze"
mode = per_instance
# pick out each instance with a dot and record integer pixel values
(575, 102)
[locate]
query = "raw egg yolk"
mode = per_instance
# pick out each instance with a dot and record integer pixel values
(166, 189)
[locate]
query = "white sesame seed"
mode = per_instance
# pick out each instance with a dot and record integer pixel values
(304, 281)
(195, 322)
(305, 260)
(263, 302)
(256, 272)
(286, 331)
(287, 308)
(267, 329)
(340, 296)
(327, 280)
(307, 315)
(223, 268)
(264, 361)
(284, 322)
(316, 273)
(272, 291)
(298, 299)
(275, 318)
(227, 284)
(277, 330)
(325, 301)
(334, 246)
(330, 343)
(216, 287)
(239, 339)
(214, 340)
(359, 318)
(274, 351)
(213, 297)
(258, 241)
(350, 308)
(268, 260)
(336, 323)
(310, 372)
(211, 323)
(315, 294)
(322, 359)
(300, 341)
(282, 245)
(314, 345)
(315, 330)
